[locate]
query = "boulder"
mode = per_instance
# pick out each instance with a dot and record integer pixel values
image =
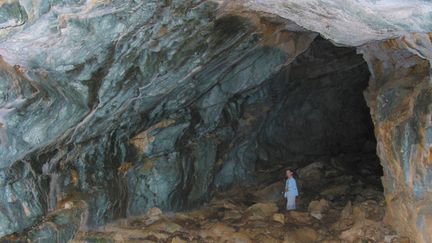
(154, 212)
(312, 175)
(232, 215)
(177, 240)
(60, 226)
(334, 191)
(238, 237)
(166, 226)
(267, 239)
(332, 172)
(301, 235)
(220, 232)
(260, 211)
(356, 224)
(217, 229)
(372, 193)
(278, 217)
(364, 231)
(271, 193)
(370, 209)
(297, 217)
(317, 208)
(346, 218)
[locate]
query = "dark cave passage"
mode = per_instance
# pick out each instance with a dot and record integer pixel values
(312, 110)
(318, 107)
(320, 125)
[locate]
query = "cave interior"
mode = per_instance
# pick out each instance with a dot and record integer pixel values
(311, 117)
(177, 119)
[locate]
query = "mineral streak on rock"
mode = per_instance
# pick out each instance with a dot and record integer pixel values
(352, 22)
(400, 98)
(124, 105)
(90, 75)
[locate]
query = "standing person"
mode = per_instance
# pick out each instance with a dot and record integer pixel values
(291, 191)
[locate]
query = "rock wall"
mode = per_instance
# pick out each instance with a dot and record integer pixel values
(108, 108)
(141, 112)
(352, 22)
(399, 93)
(400, 98)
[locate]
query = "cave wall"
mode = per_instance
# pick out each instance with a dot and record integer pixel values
(400, 98)
(131, 116)
(109, 108)
(353, 22)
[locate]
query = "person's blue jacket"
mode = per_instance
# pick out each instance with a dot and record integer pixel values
(291, 187)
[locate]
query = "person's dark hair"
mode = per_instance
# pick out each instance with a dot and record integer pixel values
(294, 173)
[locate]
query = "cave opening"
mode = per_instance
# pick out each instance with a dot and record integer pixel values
(316, 122)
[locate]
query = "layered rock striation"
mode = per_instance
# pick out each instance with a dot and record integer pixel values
(109, 108)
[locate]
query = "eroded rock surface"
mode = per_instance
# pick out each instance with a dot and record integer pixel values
(124, 105)
(353, 22)
(116, 107)
(400, 98)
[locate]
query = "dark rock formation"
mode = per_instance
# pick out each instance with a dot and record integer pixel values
(109, 108)
(322, 111)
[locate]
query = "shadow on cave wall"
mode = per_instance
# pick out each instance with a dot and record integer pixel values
(319, 123)
(312, 110)
(318, 108)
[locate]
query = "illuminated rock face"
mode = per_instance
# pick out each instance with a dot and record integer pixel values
(108, 108)
(400, 98)
(352, 22)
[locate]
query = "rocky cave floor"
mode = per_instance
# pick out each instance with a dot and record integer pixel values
(340, 200)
